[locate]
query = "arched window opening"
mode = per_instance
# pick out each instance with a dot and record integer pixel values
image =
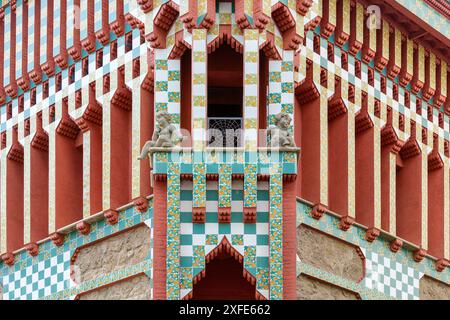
(225, 96)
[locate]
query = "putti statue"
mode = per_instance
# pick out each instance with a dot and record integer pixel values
(165, 135)
(279, 135)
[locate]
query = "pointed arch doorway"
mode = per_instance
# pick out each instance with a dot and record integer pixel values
(224, 277)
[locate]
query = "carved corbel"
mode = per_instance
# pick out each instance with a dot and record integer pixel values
(118, 26)
(363, 121)
(16, 152)
(303, 6)
(49, 67)
(62, 59)
(210, 16)
(179, 47)
(269, 47)
(411, 147)
(198, 215)
(40, 139)
(224, 214)
(141, 204)
(340, 36)
(8, 258)
(250, 215)
(441, 264)
(111, 216)
(336, 105)
(395, 245)
(346, 222)
(435, 161)
(162, 23)
(93, 114)
(261, 20)
(57, 238)
(83, 227)
(188, 20)
(372, 234)
(240, 16)
(32, 248)
(419, 254)
(318, 211)
(286, 24)
(11, 89)
(145, 5)
(24, 82)
(326, 27)
(306, 91)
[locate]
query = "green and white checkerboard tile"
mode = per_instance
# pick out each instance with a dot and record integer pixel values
(390, 277)
(39, 279)
(250, 240)
(394, 274)
(167, 85)
(48, 274)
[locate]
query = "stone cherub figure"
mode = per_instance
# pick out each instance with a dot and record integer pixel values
(165, 135)
(279, 135)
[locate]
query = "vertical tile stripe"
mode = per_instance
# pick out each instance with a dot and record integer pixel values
(31, 34)
(43, 38)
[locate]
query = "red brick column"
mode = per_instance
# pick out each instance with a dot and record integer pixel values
(159, 239)
(289, 240)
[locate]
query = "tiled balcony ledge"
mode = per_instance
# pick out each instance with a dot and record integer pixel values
(264, 158)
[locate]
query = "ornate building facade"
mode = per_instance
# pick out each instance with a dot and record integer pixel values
(354, 204)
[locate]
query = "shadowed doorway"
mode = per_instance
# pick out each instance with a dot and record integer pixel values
(224, 280)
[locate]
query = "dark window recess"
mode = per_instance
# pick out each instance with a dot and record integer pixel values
(99, 60)
(106, 84)
(3, 140)
(78, 99)
(21, 103)
(85, 66)
(9, 111)
(51, 114)
(136, 67)
(45, 90)
(58, 82)
(71, 74)
(128, 42)
(27, 128)
(33, 97)
(401, 123)
(113, 54)
(225, 116)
